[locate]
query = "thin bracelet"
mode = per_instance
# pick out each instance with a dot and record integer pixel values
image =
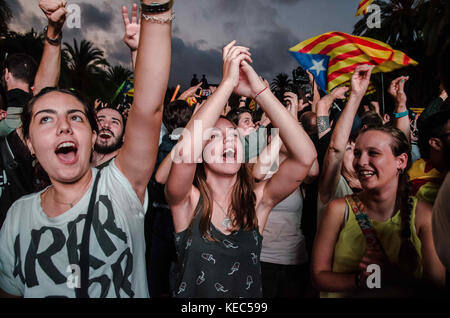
(402, 114)
(153, 19)
(260, 93)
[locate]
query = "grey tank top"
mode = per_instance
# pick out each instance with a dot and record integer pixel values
(228, 267)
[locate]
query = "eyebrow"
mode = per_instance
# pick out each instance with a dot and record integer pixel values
(52, 111)
(104, 116)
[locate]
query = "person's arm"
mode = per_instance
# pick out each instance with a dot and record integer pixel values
(323, 110)
(179, 190)
(267, 158)
(433, 270)
(137, 157)
(132, 31)
(323, 277)
(190, 92)
(397, 91)
(334, 156)
(315, 92)
(49, 68)
(300, 149)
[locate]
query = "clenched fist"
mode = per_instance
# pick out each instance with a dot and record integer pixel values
(55, 11)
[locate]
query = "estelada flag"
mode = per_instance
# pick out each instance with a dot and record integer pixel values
(332, 57)
(362, 8)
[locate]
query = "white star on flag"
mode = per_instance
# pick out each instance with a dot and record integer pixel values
(318, 67)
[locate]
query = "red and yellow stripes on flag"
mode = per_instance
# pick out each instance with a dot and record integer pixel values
(348, 51)
(363, 6)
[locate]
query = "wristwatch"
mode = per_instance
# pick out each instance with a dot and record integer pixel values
(54, 42)
(156, 7)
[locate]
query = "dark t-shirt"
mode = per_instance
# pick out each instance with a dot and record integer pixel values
(228, 267)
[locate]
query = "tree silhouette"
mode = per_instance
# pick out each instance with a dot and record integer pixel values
(5, 16)
(280, 84)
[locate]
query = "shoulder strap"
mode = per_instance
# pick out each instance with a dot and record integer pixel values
(82, 292)
(364, 223)
(11, 165)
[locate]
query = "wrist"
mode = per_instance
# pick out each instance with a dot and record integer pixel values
(53, 30)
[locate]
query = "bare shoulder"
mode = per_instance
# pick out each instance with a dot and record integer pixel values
(423, 213)
(335, 211)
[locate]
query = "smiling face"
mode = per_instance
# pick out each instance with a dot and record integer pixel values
(223, 152)
(374, 162)
(246, 125)
(110, 124)
(61, 137)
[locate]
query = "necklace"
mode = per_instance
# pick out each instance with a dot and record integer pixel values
(73, 202)
(227, 221)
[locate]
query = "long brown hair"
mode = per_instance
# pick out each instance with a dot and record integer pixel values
(243, 200)
(407, 255)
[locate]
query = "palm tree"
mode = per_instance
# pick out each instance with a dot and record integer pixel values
(280, 84)
(419, 28)
(31, 43)
(5, 15)
(117, 74)
(85, 66)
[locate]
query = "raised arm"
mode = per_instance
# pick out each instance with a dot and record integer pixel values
(49, 68)
(136, 158)
(300, 149)
(323, 110)
(334, 156)
(397, 91)
(179, 186)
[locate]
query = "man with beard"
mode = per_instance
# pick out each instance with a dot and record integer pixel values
(111, 124)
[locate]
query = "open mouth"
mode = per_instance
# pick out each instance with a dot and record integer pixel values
(105, 135)
(67, 152)
(365, 174)
(229, 155)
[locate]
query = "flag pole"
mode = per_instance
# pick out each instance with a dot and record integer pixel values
(382, 90)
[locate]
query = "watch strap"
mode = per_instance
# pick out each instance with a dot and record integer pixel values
(156, 7)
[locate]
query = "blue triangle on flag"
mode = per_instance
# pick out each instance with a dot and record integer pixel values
(317, 64)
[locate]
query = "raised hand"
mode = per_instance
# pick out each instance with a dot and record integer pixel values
(339, 92)
(190, 92)
(397, 90)
(232, 57)
(361, 79)
(133, 28)
(291, 100)
(55, 11)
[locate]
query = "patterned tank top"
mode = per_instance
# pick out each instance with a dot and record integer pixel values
(228, 267)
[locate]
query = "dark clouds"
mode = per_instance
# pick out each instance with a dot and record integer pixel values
(97, 16)
(203, 27)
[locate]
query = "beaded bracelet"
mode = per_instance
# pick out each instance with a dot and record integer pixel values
(153, 19)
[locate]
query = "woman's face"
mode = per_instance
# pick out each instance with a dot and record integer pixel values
(61, 137)
(246, 125)
(374, 162)
(223, 152)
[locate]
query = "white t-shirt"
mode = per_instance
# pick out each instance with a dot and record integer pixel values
(39, 255)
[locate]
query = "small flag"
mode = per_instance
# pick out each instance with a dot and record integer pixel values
(363, 6)
(332, 57)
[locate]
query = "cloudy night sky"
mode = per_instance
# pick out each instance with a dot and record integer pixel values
(203, 27)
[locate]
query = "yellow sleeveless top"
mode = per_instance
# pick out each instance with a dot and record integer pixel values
(351, 244)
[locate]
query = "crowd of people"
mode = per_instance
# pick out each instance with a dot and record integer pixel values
(275, 197)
